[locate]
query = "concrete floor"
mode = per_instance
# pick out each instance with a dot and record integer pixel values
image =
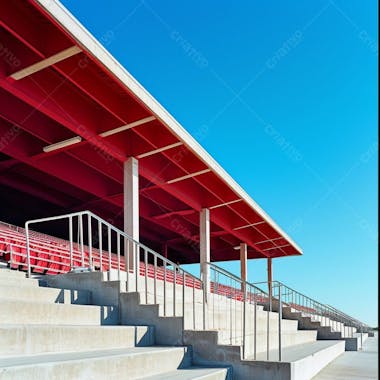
(354, 365)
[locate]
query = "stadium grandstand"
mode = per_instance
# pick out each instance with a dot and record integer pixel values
(104, 197)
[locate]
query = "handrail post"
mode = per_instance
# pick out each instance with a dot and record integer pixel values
(164, 288)
(183, 299)
(230, 314)
(146, 275)
(109, 253)
(10, 256)
(279, 321)
(255, 326)
(155, 279)
(27, 249)
(203, 304)
(136, 263)
(89, 232)
(174, 289)
(127, 245)
(100, 238)
(244, 319)
(81, 238)
(118, 255)
(71, 241)
(269, 310)
(193, 303)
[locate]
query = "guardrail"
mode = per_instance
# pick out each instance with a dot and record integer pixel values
(317, 311)
(98, 245)
(233, 308)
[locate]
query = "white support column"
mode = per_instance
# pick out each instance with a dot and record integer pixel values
(204, 243)
(243, 262)
(131, 207)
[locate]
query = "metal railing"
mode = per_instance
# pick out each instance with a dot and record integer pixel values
(326, 315)
(95, 244)
(230, 305)
(233, 309)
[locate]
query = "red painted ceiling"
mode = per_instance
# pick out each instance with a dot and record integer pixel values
(79, 96)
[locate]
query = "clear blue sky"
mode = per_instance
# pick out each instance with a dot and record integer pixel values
(284, 96)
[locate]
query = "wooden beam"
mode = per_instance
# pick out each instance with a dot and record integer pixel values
(225, 204)
(127, 126)
(159, 150)
(67, 53)
(248, 225)
(188, 176)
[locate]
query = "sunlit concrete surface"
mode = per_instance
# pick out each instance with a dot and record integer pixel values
(355, 364)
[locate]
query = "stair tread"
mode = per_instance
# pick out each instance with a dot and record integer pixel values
(190, 373)
(26, 360)
(299, 351)
(13, 301)
(82, 327)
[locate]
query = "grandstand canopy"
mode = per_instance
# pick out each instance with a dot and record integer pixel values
(71, 115)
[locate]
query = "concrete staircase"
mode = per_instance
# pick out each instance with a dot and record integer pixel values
(327, 329)
(302, 355)
(54, 333)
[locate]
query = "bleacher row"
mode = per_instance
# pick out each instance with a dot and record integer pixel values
(51, 255)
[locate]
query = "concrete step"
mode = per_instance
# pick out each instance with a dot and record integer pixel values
(29, 312)
(300, 362)
(42, 294)
(9, 273)
(37, 339)
(131, 363)
(194, 373)
(223, 322)
(287, 339)
(18, 282)
(305, 360)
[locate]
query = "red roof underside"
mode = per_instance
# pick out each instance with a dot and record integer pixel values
(79, 96)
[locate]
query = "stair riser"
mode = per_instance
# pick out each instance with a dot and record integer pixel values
(13, 312)
(48, 295)
(7, 273)
(112, 367)
(19, 340)
(221, 322)
(18, 282)
(307, 368)
(287, 340)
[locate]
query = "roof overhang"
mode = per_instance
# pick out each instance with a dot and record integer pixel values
(77, 115)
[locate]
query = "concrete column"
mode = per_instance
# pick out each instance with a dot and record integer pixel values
(204, 242)
(269, 260)
(131, 206)
(243, 262)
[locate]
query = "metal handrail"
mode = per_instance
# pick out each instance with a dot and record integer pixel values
(325, 313)
(350, 319)
(236, 278)
(112, 227)
(329, 307)
(134, 252)
(241, 299)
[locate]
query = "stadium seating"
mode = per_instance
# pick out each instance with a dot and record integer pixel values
(51, 255)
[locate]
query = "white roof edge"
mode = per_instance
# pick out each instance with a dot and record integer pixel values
(90, 44)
